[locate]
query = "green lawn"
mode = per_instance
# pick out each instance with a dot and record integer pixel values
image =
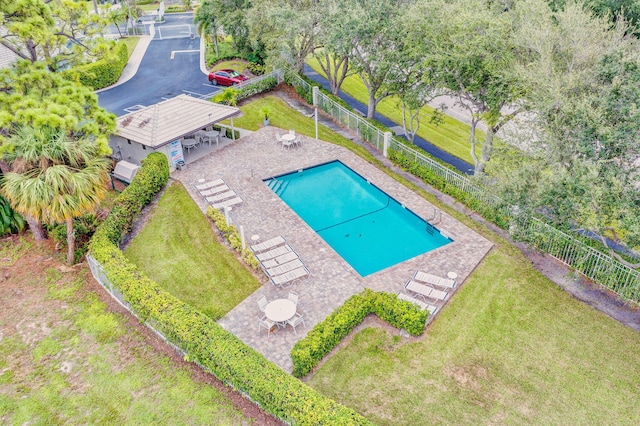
(511, 347)
(451, 135)
(65, 359)
(178, 249)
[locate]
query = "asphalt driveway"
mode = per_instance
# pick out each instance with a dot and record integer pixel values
(170, 67)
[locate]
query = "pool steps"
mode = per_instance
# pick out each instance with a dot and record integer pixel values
(277, 186)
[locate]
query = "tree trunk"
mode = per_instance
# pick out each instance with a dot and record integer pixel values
(71, 241)
(486, 151)
(373, 103)
(36, 228)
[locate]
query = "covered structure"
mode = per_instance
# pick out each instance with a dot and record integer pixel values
(162, 128)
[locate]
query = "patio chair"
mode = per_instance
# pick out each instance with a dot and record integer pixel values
(269, 244)
(278, 138)
(273, 253)
(215, 190)
(287, 257)
(297, 142)
(293, 296)
(209, 184)
(190, 143)
(284, 268)
(292, 132)
(296, 321)
(289, 277)
(262, 302)
(221, 196)
(264, 322)
(227, 203)
(422, 305)
(431, 279)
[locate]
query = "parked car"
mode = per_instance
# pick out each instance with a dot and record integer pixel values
(226, 78)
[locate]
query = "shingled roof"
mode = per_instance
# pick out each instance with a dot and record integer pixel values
(169, 120)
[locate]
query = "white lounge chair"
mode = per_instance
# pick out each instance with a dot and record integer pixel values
(266, 245)
(273, 253)
(296, 321)
(221, 196)
(227, 203)
(209, 184)
(215, 190)
(431, 279)
(284, 268)
(425, 291)
(289, 277)
(287, 257)
(422, 305)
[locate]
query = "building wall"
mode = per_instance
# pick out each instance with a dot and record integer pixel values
(134, 152)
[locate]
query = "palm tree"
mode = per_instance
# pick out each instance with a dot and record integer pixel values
(206, 22)
(54, 177)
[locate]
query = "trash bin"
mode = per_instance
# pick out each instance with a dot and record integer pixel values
(181, 165)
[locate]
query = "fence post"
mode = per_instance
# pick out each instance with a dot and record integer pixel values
(315, 105)
(385, 146)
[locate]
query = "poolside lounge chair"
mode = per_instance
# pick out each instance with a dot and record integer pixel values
(289, 277)
(296, 321)
(221, 196)
(269, 244)
(284, 268)
(264, 322)
(227, 203)
(273, 253)
(422, 305)
(215, 190)
(425, 291)
(287, 257)
(209, 184)
(424, 277)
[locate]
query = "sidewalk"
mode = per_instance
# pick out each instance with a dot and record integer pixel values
(133, 64)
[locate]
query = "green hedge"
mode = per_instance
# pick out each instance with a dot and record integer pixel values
(102, 73)
(251, 89)
(204, 341)
(327, 334)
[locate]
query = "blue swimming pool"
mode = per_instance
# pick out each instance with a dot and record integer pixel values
(364, 225)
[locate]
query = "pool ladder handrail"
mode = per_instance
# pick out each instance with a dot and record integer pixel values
(436, 217)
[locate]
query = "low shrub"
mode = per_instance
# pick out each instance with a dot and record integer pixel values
(203, 341)
(256, 68)
(250, 89)
(232, 235)
(307, 352)
(102, 73)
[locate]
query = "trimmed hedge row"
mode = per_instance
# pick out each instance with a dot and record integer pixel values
(327, 334)
(251, 89)
(204, 341)
(102, 73)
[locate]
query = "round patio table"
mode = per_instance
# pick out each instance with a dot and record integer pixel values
(280, 311)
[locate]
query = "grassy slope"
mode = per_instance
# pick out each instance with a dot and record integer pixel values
(65, 360)
(178, 249)
(451, 135)
(511, 347)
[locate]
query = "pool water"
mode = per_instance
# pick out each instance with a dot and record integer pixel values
(364, 225)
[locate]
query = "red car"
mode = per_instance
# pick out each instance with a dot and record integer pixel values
(226, 78)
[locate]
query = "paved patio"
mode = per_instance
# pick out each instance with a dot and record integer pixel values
(244, 164)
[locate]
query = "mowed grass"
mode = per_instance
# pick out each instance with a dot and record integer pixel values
(510, 348)
(65, 359)
(450, 135)
(178, 249)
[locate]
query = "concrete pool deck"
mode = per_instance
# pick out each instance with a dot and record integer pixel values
(244, 164)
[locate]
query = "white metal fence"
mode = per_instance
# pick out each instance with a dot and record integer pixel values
(600, 267)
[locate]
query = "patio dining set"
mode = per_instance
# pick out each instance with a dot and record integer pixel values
(279, 313)
(289, 140)
(200, 137)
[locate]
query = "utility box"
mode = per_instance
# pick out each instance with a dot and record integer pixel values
(124, 172)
